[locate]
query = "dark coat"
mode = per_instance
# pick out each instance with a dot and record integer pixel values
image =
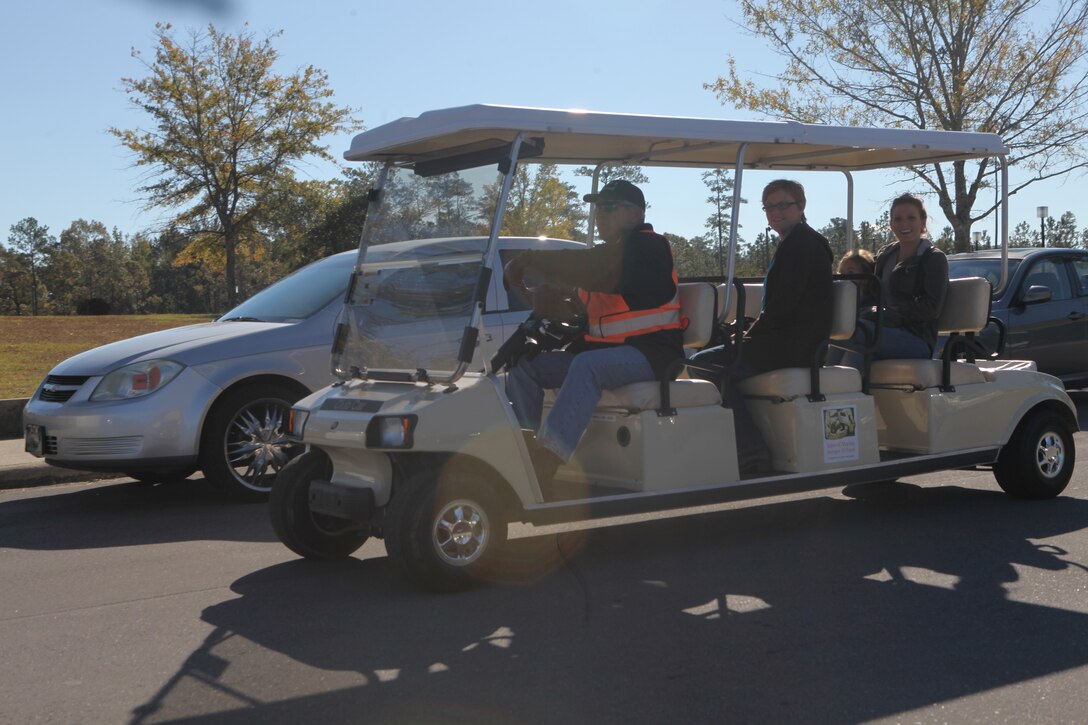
(915, 297)
(797, 304)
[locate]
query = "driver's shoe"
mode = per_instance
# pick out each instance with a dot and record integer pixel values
(545, 462)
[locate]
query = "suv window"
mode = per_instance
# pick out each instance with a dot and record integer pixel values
(989, 269)
(1049, 273)
(1080, 270)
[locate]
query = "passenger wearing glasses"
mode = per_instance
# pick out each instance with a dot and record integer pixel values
(634, 332)
(794, 318)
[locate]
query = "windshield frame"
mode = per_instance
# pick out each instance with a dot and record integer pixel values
(362, 288)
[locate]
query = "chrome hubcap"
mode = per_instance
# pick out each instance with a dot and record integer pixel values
(257, 444)
(1050, 455)
(461, 532)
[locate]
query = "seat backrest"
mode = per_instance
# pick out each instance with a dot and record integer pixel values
(844, 309)
(698, 303)
(966, 306)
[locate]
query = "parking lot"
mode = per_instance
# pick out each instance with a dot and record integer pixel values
(936, 599)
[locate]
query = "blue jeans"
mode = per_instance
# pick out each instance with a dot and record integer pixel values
(895, 344)
(580, 379)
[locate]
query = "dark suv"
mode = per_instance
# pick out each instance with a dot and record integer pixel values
(1044, 306)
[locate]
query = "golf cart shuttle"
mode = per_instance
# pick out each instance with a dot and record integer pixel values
(414, 447)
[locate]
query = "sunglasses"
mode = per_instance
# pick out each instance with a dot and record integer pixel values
(612, 205)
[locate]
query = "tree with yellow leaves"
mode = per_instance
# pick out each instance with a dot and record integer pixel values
(226, 133)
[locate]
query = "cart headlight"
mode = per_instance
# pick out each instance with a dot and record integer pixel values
(390, 431)
(136, 380)
(296, 421)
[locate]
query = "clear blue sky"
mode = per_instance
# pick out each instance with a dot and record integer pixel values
(62, 61)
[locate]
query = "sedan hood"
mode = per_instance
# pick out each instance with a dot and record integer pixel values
(196, 344)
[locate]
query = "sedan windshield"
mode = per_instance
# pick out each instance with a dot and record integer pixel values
(300, 294)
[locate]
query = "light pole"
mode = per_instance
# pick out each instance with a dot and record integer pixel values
(1042, 212)
(976, 237)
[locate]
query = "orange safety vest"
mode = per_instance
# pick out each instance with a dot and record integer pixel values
(611, 320)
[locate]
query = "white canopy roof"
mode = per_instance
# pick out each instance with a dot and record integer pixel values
(588, 137)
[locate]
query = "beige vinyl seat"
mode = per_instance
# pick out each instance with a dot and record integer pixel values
(966, 311)
(698, 303)
(816, 381)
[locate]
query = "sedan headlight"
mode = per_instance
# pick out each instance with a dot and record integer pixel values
(136, 380)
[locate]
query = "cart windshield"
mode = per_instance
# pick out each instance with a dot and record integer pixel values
(411, 302)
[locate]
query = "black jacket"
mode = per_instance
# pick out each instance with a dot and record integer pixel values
(797, 304)
(914, 299)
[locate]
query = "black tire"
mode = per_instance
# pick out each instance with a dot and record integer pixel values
(310, 535)
(244, 443)
(446, 529)
(1038, 460)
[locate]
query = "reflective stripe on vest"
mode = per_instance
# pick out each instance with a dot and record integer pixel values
(611, 320)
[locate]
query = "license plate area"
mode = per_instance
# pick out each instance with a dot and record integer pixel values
(33, 437)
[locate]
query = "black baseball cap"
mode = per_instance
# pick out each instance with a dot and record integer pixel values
(618, 190)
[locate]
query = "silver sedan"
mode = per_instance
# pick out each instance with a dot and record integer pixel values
(214, 396)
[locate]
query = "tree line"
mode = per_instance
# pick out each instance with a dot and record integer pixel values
(90, 269)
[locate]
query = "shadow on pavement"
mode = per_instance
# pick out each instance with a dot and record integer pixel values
(814, 610)
(127, 514)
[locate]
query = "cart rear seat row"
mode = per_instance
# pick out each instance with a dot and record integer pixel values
(791, 403)
(966, 310)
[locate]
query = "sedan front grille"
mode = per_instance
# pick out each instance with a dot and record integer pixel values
(59, 388)
(101, 447)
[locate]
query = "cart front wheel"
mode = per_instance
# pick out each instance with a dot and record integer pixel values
(313, 536)
(445, 530)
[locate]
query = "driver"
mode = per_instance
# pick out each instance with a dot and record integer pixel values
(634, 332)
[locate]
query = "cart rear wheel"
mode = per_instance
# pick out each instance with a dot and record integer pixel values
(445, 530)
(1038, 460)
(314, 536)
